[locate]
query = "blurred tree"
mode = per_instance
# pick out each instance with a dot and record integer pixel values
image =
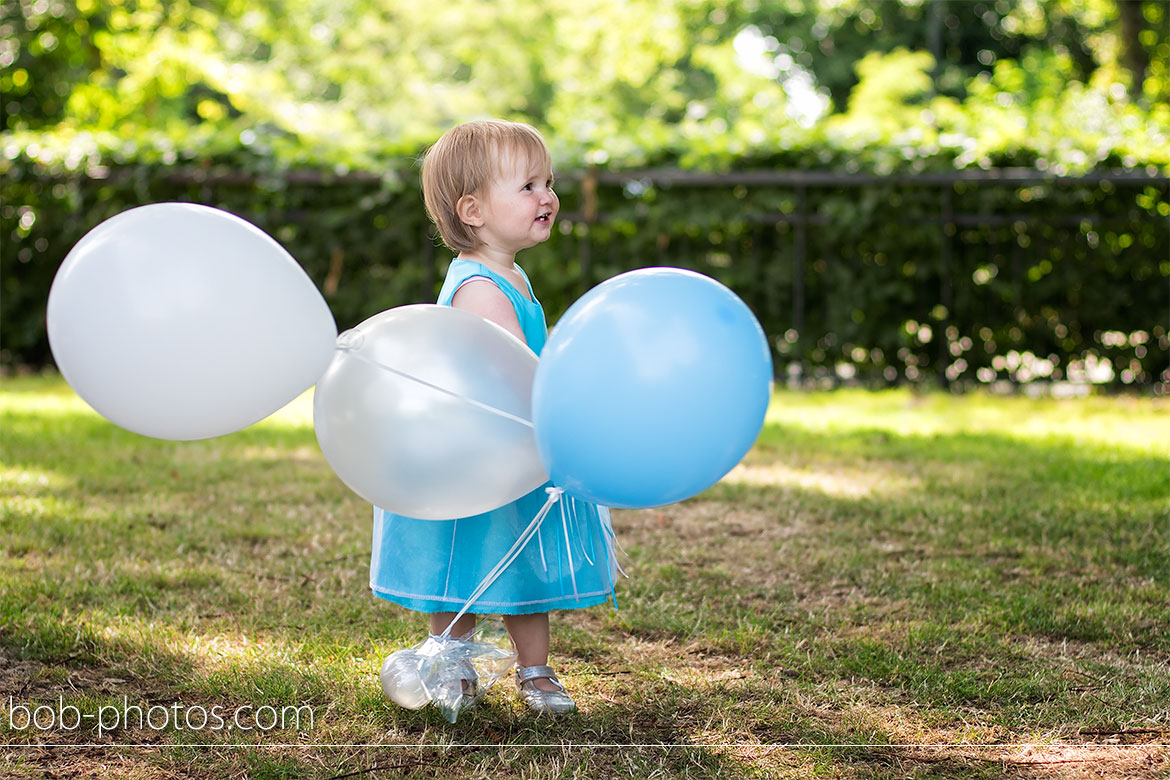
(238, 92)
(829, 36)
(102, 64)
(351, 81)
(46, 48)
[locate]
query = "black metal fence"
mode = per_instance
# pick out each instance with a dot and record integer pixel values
(1013, 275)
(962, 277)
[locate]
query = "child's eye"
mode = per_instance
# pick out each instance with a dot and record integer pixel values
(527, 186)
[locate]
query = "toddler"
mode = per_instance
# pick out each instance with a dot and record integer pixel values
(488, 187)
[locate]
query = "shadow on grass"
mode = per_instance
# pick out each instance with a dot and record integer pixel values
(666, 730)
(654, 728)
(1107, 504)
(856, 580)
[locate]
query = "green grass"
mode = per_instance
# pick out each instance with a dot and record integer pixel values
(891, 585)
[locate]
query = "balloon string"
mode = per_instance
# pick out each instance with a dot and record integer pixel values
(612, 542)
(543, 562)
(582, 533)
(569, 550)
(554, 495)
(478, 404)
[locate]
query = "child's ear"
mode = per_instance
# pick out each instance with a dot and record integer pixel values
(469, 211)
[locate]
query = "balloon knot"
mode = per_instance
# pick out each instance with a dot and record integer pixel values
(554, 493)
(350, 340)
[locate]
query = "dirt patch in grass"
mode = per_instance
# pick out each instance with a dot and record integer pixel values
(1086, 762)
(111, 763)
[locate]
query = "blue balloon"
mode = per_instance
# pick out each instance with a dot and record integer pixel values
(650, 389)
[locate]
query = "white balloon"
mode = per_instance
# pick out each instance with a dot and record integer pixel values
(404, 413)
(181, 321)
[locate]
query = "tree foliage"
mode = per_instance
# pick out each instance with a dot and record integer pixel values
(307, 117)
(700, 81)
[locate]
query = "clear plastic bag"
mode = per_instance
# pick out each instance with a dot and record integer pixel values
(401, 681)
(452, 673)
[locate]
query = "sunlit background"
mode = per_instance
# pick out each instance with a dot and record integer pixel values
(948, 191)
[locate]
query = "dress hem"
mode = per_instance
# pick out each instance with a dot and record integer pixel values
(432, 605)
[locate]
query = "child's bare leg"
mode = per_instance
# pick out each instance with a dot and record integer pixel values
(530, 633)
(440, 621)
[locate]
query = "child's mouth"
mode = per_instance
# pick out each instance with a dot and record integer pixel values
(544, 217)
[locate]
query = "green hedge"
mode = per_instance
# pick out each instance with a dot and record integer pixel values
(875, 279)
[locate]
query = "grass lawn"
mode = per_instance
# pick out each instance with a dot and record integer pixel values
(890, 586)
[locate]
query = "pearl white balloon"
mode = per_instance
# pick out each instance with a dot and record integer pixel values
(404, 413)
(181, 321)
(401, 680)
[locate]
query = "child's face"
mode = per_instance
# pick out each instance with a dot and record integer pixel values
(519, 206)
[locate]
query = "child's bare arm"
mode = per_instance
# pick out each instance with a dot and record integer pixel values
(487, 300)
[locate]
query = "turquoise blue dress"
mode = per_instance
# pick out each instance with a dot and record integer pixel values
(434, 565)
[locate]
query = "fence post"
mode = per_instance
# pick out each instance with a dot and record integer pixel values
(589, 209)
(799, 261)
(935, 38)
(946, 287)
(429, 269)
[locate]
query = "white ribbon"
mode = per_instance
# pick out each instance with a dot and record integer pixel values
(569, 550)
(352, 351)
(554, 495)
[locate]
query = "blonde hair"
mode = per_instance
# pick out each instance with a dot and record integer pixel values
(463, 162)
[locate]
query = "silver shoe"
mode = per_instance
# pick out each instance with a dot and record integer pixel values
(556, 702)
